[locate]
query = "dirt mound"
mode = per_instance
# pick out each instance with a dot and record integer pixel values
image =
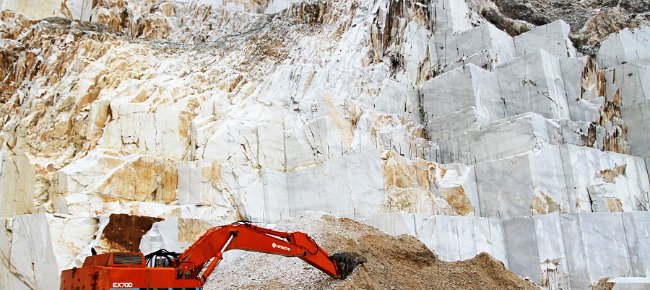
(400, 262)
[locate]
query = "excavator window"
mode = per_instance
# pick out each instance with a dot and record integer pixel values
(127, 259)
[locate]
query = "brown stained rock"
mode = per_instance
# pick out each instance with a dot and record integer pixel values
(603, 284)
(410, 185)
(155, 27)
(402, 173)
(379, 121)
(213, 175)
(312, 13)
(57, 120)
(14, 24)
(457, 199)
(425, 172)
(167, 9)
(124, 232)
(543, 204)
(614, 204)
(406, 199)
(538, 206)
(231, 84)
(609, 175)
(610, 126)
(146, 179)
(189, 230)
(184, 123)
(608, 21)
(592, 80)
(339, 123)
(510, 26)
(397, 173)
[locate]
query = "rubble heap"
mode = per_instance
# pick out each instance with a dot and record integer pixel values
(393, 262)
(418, 117)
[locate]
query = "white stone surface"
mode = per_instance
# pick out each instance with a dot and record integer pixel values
(626, 46)
(154, 133)
(638, 242)
(36, 9)
(575, 251)
(162, 235)
(630, 283)
(450, 16)
(276, 6)
(27, 252)
(70, 238)
(452, 238)
(75, 9)
(591, 180)
(468, 86)
(485, 46)
(523, 185)
(348, 186)
(531, 83)
(535, 249)
(594, 251)
(604, 181)
(421, 118)
(17, 176)
(552, 37)
(202, 191)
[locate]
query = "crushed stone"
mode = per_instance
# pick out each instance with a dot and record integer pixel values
(393, 262)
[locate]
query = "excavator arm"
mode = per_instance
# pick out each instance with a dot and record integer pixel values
(200, 259)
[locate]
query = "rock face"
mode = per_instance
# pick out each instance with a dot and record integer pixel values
(581, 15)
(160, 119)
(558, 251)
(75, 9)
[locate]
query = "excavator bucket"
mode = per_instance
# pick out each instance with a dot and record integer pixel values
(346, 262)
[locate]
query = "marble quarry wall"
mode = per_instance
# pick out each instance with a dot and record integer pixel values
(417, 117)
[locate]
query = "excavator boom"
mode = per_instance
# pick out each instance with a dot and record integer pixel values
(192, 268)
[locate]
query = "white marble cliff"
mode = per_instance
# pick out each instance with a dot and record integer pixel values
(417, 117)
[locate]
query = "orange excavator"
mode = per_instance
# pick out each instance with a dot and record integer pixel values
(191, 269)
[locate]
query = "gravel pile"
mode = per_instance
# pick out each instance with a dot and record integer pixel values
(400, 262)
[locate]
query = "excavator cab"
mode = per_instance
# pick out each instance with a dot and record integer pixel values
(190, 269)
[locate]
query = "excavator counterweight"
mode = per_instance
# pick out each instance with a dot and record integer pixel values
(191, 269)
